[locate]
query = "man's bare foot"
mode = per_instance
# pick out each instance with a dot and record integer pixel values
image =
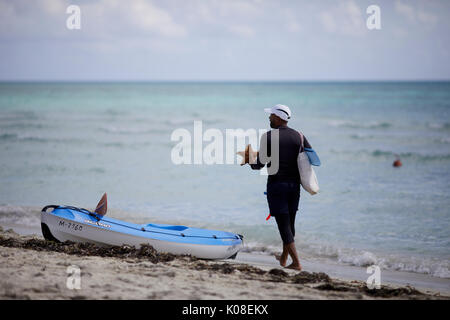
(295, 266)
(282, 258)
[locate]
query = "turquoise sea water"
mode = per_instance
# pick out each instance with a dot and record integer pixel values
(67, 143)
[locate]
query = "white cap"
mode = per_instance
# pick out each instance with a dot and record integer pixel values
(281, 111)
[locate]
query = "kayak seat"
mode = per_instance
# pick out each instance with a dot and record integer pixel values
(167, 227)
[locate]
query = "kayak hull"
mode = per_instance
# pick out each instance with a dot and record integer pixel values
(69, 225)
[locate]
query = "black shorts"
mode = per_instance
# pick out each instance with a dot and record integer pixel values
(283, 199)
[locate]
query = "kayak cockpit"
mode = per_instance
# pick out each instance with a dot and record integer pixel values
(166, 227)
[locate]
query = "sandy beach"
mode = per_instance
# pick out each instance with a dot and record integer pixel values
(131, 120)
(32, 268)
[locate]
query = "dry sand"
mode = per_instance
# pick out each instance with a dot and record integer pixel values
(33, 268)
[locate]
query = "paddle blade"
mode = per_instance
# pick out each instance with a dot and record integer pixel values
(102, 206)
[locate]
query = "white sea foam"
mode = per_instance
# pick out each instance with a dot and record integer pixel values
(398, 262)
(19, 215)
(359, 125)
(438, 125)
(362, 258)
(125, 130)
(445, 140)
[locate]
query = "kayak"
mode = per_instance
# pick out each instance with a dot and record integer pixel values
(66, 223)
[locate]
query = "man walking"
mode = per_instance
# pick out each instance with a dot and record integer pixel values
(279, 149)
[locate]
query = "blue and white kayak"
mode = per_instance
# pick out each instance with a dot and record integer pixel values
(80, 225)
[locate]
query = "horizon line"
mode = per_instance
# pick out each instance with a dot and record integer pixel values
(218, 81)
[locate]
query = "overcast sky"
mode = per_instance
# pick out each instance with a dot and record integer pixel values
(242, 40)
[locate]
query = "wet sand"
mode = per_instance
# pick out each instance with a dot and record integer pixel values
(33, 268)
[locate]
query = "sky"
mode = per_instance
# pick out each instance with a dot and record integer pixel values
(224, 40)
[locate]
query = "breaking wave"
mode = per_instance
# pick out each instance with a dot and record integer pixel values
(18, 215)
(439, 126)
(360, 125)
(14, 137)
(362, 258)
(389, 155)
(132, 130)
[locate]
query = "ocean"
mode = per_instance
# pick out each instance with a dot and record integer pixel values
(68, 143)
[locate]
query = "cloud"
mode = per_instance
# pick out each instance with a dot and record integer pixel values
(47, 17)
(222, 18)
(148, 17)
(131, 18)
(242, 30)
(427, 18)
(291, 22)
(245, 8)
(53, 7)
(415, 15)
(328, 21)
(405, 10)
(345, 19)
(293, 26)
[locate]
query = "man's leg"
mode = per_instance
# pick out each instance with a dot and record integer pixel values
(293, 253)
(294, 198)
(284, 227)
(290, 248)
(278, 200)
(292, 215)
(283, 257)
